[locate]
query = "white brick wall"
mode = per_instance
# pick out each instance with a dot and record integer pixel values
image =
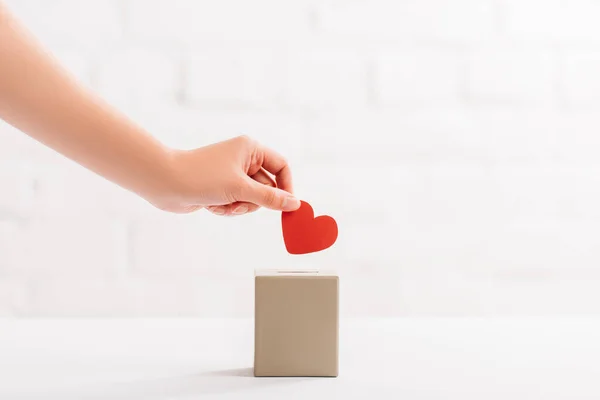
(138, 75)
(552, 20)
(326, 79)
(192, 21)
(581, 80)
(72, 22)
(45, 246)
(409, 20)
(241, 76)
(511, 76)
(456, 143)
(424, 77)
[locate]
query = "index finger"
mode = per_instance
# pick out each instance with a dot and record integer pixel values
(277, 165)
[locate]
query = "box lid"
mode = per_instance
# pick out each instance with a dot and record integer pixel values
(295, 272)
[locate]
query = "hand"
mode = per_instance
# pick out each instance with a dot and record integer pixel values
(228, 178)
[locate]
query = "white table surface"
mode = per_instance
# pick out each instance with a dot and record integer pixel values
(403, 359)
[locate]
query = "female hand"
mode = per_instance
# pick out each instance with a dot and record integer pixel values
(232, 177)
(40, 98)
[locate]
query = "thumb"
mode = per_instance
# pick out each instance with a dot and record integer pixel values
(270, 197)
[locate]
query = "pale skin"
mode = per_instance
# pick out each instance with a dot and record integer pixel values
(38, 97)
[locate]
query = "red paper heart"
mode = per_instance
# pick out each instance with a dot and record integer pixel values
(303, 233)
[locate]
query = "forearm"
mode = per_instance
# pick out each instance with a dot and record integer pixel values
(42, 100)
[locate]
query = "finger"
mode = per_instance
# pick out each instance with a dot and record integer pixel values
(276, 164)
(243, 207)
(263, 177)
(270, 197)
(237, 208)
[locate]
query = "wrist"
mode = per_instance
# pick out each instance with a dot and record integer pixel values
(163, 177)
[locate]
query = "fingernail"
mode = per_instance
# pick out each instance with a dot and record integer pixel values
(290, 203)
(218, 210)
(240, 210)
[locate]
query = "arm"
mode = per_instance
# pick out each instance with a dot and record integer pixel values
(39, 98)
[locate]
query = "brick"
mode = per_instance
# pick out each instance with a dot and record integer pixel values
(69, 190)
(459, 214)
(513, 77)
(15, 145)
(506, 193)
(70, 21)
(388, 137)
(418, 77)
(560, 192)
(235, 77)
(17, 182)
(72, 296)
(13, 297)
(203, 243)
(191, 128)
(58, 246)
(425, 245)
(325, 79)
(200, 296)
(384, 298)
(541, 244)
(447, 294)
(459, 194)
(580, 83)
(528, 191)
(579, 192)
(229, 295)
(332, 188)
(576, 141)
(577, 297)
(190, 20)
(476, 249)
(517, 136)
(141, 297)
(569, 21)
(139, 76)
(451, 295)
(465, 20)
